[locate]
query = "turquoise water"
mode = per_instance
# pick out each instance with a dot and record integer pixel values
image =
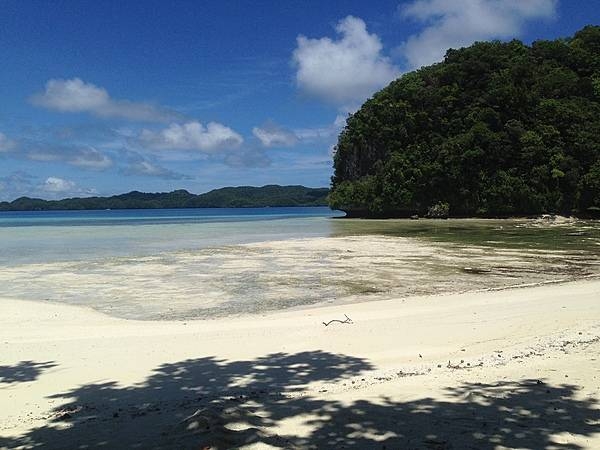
(52, 236)
(204, 263)
(157, 216)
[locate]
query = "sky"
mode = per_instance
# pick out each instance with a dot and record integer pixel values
(105, 97)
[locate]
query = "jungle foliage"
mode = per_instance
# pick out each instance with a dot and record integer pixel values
(496, 129)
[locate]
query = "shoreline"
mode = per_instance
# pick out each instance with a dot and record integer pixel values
(302, 273)
(68, 362)
(312, 307)
(414, 215)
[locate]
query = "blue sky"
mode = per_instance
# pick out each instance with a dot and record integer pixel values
(104, 97)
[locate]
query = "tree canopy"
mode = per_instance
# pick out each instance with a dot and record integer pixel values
(496, 129)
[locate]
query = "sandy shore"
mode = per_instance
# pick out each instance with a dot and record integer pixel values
(517, 368)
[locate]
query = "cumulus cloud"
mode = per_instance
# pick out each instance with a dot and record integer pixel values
(453, 24)
(75, 95)
(272, 135)
(57, 185)
(192, 136)
(85, 157)
(6, 144)
(19, 183)
(345, 71)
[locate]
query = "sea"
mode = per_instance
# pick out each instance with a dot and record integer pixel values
(51, 236)
(182, 264)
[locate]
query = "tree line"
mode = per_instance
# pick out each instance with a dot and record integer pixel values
(228, 197)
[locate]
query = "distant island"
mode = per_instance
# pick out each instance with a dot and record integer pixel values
(228, 197)
(496, 129)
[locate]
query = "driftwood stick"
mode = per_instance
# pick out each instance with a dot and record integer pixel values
(348, 320)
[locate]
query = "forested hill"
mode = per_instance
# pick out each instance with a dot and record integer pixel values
(229, 197)
(495, 129)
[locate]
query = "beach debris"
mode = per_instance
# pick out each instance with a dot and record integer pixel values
(347, 320)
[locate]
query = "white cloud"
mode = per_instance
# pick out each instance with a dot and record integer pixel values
(57, 185)
(455, 24)
(6, 145)
(75, 95)
(55, 188)
(19, 183)
(272, 135)
(345, 71)
(192, 136)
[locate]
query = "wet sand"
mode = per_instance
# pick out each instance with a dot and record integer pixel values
(261, 277)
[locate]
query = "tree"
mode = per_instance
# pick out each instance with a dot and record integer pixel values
(495, 129)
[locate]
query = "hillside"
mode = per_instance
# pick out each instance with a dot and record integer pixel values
(496, 129)
(229, 197)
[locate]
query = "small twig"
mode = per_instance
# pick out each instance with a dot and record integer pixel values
(348, 320)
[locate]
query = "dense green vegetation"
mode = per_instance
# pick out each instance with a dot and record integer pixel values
(496, 129)
(229, 197)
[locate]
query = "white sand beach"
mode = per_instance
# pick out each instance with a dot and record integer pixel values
(515, 368)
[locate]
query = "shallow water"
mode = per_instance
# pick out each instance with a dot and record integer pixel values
(52, 236)
(183, 265)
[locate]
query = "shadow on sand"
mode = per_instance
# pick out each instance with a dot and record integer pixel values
(24, 371)
(210, 403)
